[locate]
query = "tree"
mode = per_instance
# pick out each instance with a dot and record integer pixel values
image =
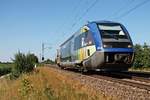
(146, 55)
(138, 56)
(48, 61)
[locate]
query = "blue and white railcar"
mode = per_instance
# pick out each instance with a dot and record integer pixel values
(103, 45)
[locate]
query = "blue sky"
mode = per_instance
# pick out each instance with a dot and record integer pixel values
(26, 24)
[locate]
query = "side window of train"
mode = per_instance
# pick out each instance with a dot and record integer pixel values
(82, 40)
(77, 42)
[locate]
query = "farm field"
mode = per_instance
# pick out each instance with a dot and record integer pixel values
(6, 65)
(5, 68)
(46, 84)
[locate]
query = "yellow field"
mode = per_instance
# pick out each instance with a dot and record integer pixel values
(46, 84)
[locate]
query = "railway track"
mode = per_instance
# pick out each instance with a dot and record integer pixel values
(135, 80)
(141, 81)
(128, 82)
(136, 77)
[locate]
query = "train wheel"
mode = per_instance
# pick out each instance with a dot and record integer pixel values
(84, 71)
(62, 67)
(58, 65)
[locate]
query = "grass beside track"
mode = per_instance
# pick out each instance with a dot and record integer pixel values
(140, 69)
(46, 84)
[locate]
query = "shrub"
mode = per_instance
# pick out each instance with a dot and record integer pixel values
(23, 63)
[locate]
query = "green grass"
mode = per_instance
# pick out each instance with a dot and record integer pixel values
(5, 68)
(6, 65)
(142, 69)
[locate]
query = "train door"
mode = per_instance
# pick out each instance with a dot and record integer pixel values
(89, 44)
(84, 51)
(58, 57)
(83, 48)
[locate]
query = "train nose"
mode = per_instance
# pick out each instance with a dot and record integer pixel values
(118, 58)
(121, 58)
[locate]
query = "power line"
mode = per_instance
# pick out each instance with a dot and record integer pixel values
(83, 14)
(75, 9)
(68, 17)
(132, 9)
(121, 9)
(86, 11)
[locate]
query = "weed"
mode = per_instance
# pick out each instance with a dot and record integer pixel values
(26, 87)
(49, 93)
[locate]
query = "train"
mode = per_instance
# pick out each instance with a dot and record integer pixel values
(98, 45)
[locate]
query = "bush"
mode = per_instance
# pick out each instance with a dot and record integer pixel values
(23, 63)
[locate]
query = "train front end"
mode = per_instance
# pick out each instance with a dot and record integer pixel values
(114, 47)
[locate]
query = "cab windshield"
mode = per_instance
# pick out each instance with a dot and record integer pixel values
(112, 31)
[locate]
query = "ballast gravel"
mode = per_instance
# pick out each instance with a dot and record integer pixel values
(108, 88)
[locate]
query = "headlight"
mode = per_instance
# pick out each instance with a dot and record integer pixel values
(107, 46)
(129, 46)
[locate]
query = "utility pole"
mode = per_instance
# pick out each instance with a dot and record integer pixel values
(40, 57)
(43, 48)
(42, 51)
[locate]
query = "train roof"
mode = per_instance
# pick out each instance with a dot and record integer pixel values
(67, 40)
(101, 21)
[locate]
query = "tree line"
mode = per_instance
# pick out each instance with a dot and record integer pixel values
(142, 56)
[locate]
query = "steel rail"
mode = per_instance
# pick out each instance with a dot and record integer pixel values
(124, 82)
